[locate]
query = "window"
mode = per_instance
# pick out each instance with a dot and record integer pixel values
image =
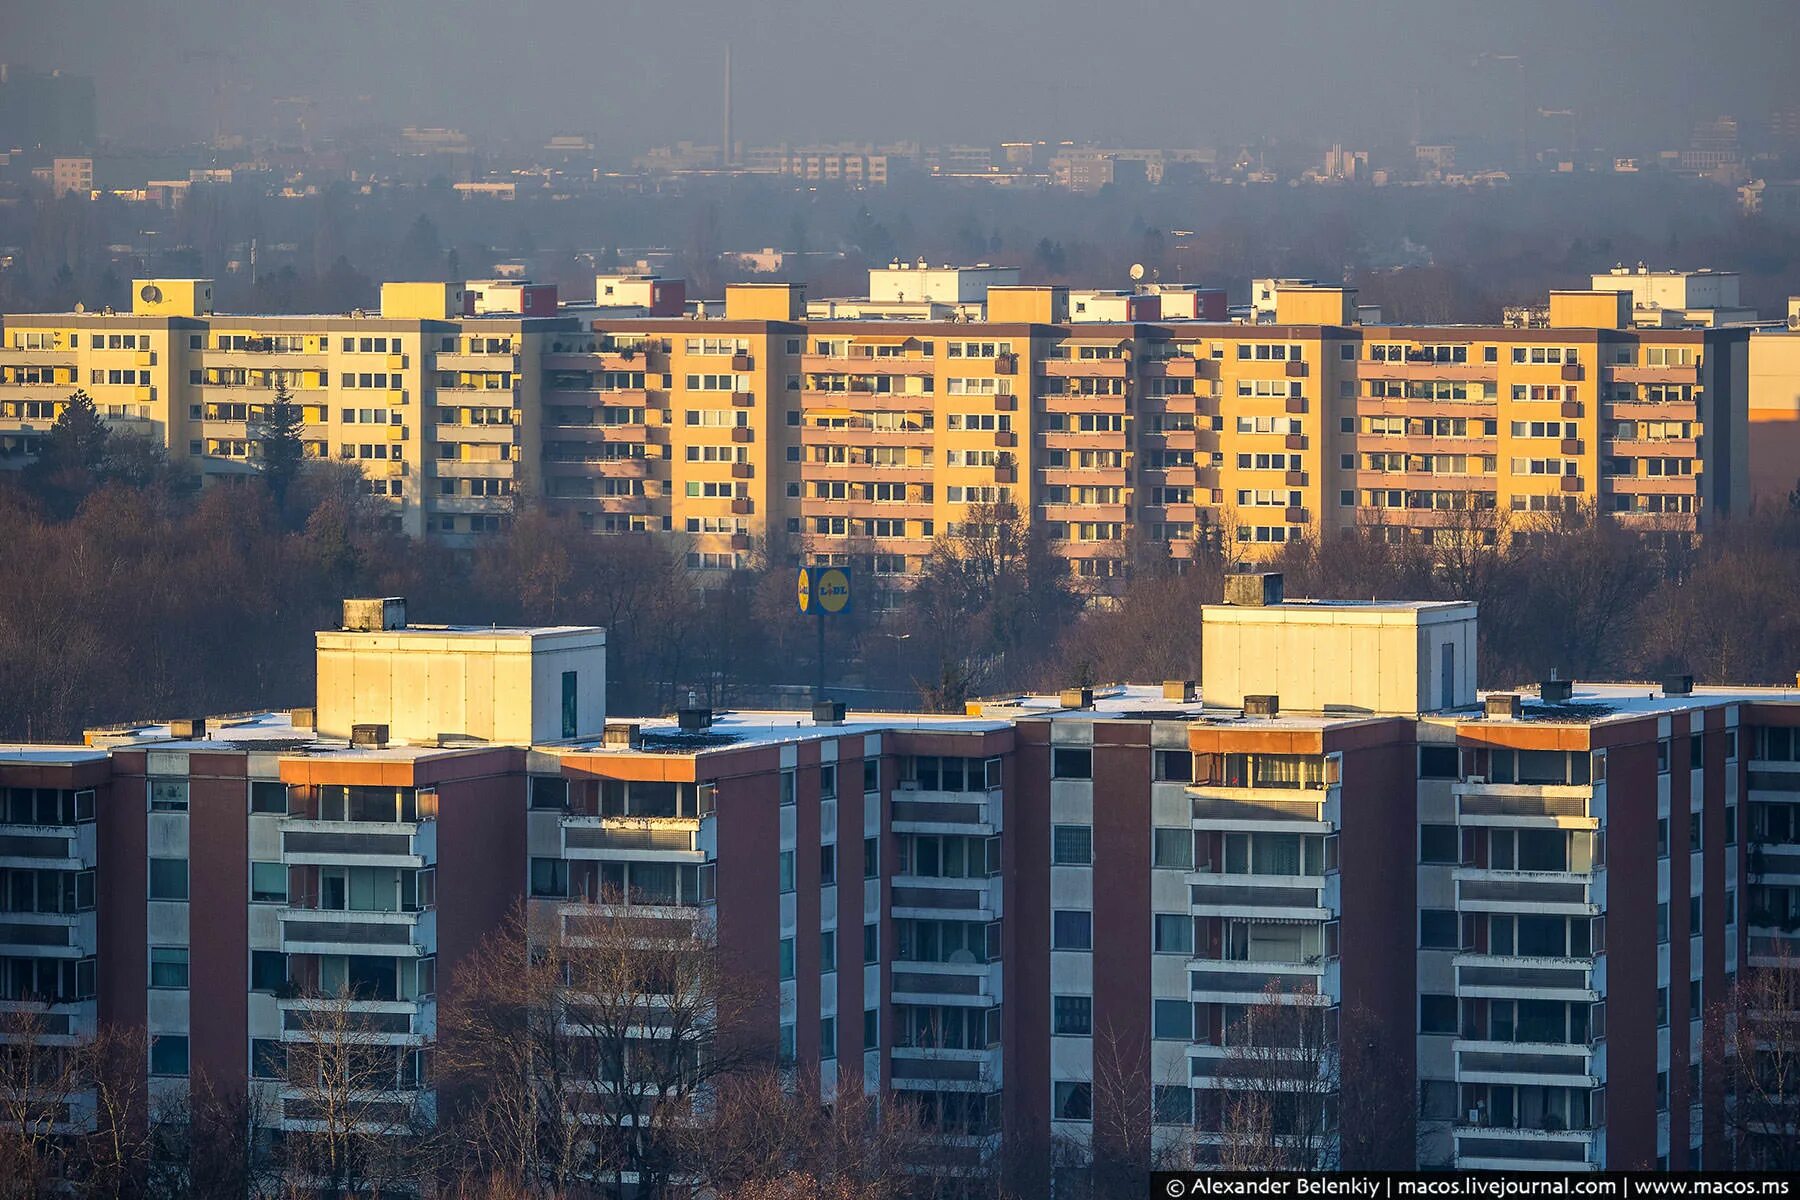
(827, 865)
(268, 882)
(1173, 766)
(827, 1037)
(784, 1049)
(1694, 835)
(268, 970)
(786, 958)
(1071, 764)
(1172, 1104)
(1662, 924)
(871, 943)
(1174, 933)
(1439, 844)
(168, 795)
(828, 951)
(871, 1029)
(871, 774)
(1696, 751)
(1438, 929)
(1438, 762)
(168, 966)
(1662, 1007)
(168, 1055)
(828, 781)
(1072, 845)
(1074, 1101)
(1071, 929)
(549, 792)
(1662, 837)
(1437, 1014)
(168, 879)
(1172, 848)
(784, 871)
(1073, 1015)
(871, 858)
(268, 1059)
(1172, 1019)
(787, 787)
(268, 797)
(1662, 757)
(549, 878)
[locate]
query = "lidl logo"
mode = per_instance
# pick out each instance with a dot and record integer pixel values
(824, 590)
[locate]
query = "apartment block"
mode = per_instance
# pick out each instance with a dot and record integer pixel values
(793, 427)
(1038, 919)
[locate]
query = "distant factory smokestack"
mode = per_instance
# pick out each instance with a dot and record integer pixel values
(725, 154)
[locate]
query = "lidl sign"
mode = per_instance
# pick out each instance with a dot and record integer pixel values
(824, 590)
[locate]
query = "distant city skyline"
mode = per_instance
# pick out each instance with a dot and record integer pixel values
(1142, 72)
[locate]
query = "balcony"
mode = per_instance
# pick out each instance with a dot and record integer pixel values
(358, 843)
(945, 812)
(61, 1022)
(971, 984)
(1431, 371)
(370, 1022)
(1229, 981)
(345, 931)
(937, 1069)
(1085, 368)
(975, 899)
(1479, 889)
(462, 361)
(48, 847)
(48, 934)
(656, 839)
(1688, 374)
(1285, 897)
(1508, 977)
(1248, 810)
(1553, 805)
(1490, 1148)
(1549, 1064)
(481, 435)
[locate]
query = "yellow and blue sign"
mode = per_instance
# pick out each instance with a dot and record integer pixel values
(824, 590)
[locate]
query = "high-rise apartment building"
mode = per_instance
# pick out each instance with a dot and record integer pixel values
(1044, 918)
(850, 439)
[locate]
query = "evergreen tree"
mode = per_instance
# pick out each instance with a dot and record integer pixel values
(74, 454)
(282, 450)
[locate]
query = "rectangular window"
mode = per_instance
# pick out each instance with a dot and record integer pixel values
(1438, 929)
(550, 878)
(1173, 766)
(1437, 1014)
(268, 1059)
(1073, 1101)
(168, 966)
(268, 797)
(784, 871)
(786, 958)
(827, 865)
(1071, 929)
(871, 944)
(168, 795)
(828, 951)
(168, 879)
(1439, 844)
(1172, 849)
(549, 792)
(1071, 764)
(1438, 762)
(168, 1055)
(1172, 1019)
(828, 781)
(1172, 1104)
(570, 709)
(1696, 751)
(871, 858)
(871, 774)
(268, 970)
(1072, 845)
(787, 787)
(827, 1038)
(871, 1029)
(784, 1050)
(1174, 933)
(268, 882)
(1073, 1015)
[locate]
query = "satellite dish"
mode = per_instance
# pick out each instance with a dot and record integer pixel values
(150, 293)
(1137, 271)
(80, 307)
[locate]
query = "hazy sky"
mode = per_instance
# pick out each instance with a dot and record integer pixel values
(1171, 72)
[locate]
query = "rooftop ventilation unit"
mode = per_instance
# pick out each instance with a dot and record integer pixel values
(1556, 691)
(828, 712)
(622, 735)
(1258, 590)
(188, 729)
(369, 737)
(303, 718)
(1503, 706)
(694, 719)
(1678, 685)
(1082, 697)
(1181, 691)
(1262, 706)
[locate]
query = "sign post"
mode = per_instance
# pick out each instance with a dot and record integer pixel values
(823, 592)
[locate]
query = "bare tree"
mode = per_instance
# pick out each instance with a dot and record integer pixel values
(1751, 1047)
(362, 1122)
(1377, 1111)
(579, 1047)
(1280, 1081)
(40, 1089)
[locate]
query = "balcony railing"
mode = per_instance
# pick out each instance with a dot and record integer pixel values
(1507, 977)
(344, 931)
(630, 837)
(362, 843)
